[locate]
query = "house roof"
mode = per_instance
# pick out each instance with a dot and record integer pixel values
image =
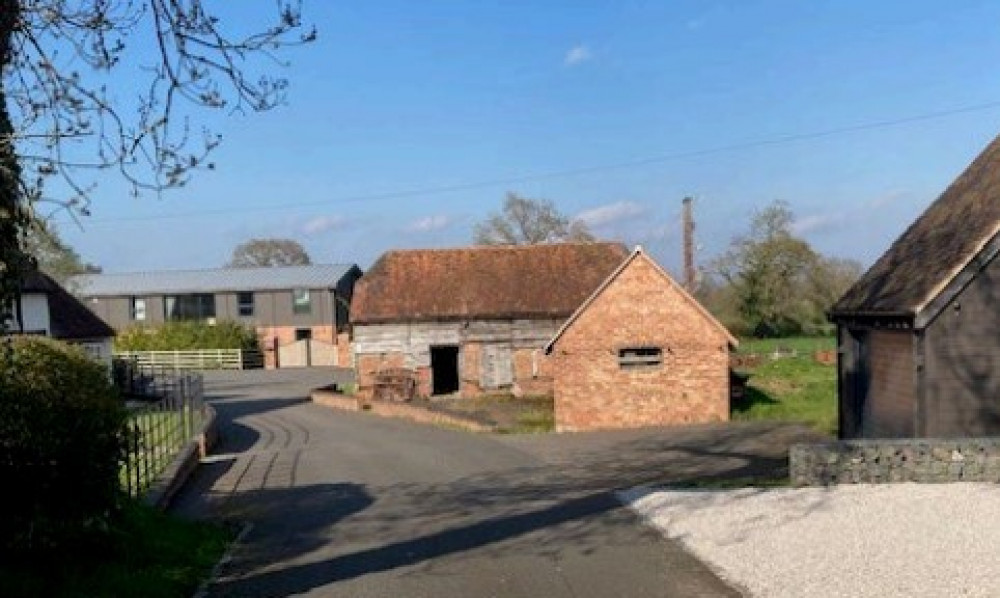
(935, 248)
(636, 254)
(68, 318)
(316, 276)
(501, 282)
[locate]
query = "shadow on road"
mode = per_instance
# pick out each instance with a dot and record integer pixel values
(548, 510)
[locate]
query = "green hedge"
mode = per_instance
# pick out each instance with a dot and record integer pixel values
(187, 336)
(62, 439)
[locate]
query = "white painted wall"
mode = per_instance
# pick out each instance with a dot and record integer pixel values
(35, 311)
(99, 349)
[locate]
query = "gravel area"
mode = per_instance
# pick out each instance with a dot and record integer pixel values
(867, 540)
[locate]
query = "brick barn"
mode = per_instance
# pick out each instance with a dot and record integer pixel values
(919, 334)
(640, 351)
(472, 320)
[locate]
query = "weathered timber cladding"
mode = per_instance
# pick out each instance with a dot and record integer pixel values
(641, 307)
(962, 360)
(889, 407)
(489, 352)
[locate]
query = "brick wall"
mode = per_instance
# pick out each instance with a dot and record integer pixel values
(532, 372)
(470, 365)
(640, 308)
(368, 365)
(344, 356)
(910, 460)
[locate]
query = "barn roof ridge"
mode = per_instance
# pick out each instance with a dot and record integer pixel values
(935, 249)
(478, 282)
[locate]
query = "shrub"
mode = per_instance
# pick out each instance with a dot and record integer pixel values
(62, 437)
(186, 336)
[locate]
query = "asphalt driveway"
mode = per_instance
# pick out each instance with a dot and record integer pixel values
(349, 504)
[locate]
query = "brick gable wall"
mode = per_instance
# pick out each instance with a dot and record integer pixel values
(640, 308)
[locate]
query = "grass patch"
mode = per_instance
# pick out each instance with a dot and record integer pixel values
(791, 388)
(802, 345)
(150, 555)
(510, 414)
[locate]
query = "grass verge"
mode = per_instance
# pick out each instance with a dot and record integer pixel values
(510, 415)
(791, 388)
(150, 555)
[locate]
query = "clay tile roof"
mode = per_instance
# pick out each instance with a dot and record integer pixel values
(483, 282)
(68, 318)
(935, 248)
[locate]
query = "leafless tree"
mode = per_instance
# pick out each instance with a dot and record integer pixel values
(65, 112)
(529, 222)
(269, 252)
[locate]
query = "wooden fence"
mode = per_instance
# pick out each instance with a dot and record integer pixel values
(207, 359)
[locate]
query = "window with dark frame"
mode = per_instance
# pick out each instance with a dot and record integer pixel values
(138, 309)
(631, 358)
(244, 303)
(301, 301)
(199, 306)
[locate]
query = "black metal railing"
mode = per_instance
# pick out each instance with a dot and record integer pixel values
(166, 411)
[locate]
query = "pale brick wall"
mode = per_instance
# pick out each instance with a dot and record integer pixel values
(640, 308)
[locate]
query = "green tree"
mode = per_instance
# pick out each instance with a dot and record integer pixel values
(64, 114)
(269, 252)
(525, 221)
(770, 273)
(53, 255)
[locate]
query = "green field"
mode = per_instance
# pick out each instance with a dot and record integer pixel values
(149, 555)
(788, 384)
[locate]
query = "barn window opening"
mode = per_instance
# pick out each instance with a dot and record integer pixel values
(244, 300)
(444, 370)
(640, 357)
(197, 306)
(301, 302)
(138, 311)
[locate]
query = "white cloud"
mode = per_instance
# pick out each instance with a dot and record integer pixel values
(887, 198)
(322, 224)
(429, 224)
(826, 222)
(577, 55)
(818, 223)
(611, 213)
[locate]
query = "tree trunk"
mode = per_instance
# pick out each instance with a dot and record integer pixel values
(13, 211)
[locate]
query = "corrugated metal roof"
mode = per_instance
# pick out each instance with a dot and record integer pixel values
(318, 276)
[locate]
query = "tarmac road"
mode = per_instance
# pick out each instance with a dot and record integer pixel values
(353, 505)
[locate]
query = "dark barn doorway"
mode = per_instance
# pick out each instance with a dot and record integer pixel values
(444, 370)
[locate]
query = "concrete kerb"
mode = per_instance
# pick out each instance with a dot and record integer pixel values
(409, 411)
(180, 469)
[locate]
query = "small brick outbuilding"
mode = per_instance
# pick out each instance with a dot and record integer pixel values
(640, 351)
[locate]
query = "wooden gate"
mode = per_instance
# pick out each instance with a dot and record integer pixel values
(307, 353)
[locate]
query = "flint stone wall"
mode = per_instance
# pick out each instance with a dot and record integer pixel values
(880, 461)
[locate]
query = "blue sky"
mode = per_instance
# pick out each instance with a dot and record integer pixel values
(408, 122)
